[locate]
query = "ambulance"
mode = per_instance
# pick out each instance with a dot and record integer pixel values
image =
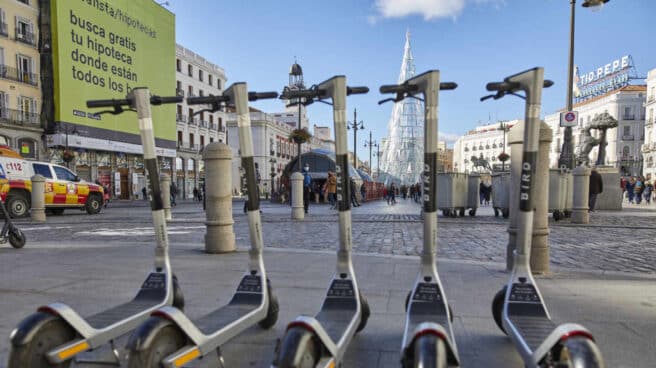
(63, 189)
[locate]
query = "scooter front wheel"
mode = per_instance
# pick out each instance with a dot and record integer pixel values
(165, 341)
(366, 312)
(497, 307)
(430, 352)
(272, 312)
(16, 238)
(299, 349)
(49, 335)
(578, 352)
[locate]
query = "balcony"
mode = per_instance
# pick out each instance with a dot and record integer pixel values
(192, 121)
(194, 148)
(180, 118)
(4, 31)
(179, 92)
(628, 117)
(25, 37)
(213, 126)
(14, 74)
(203, 124)
(628, 137)
(18, 117)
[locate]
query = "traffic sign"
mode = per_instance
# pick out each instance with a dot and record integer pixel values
(569, 118)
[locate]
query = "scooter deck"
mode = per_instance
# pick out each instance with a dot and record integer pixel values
(151, 294)
(527, 314)
(338, 308)
(248, 297)
(427, 305)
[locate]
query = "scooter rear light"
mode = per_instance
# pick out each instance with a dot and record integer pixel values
(430, 331)
(300, 324)
(577, 333)
(47, 309)
(161, 314)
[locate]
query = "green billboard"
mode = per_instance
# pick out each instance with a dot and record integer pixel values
(102, 49)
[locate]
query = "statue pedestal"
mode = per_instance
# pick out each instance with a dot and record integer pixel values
(611, 198)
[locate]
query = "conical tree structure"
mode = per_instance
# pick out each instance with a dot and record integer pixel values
(402, 155)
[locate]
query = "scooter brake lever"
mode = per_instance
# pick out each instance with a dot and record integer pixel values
(202, 111)
(386, 100)
(487, 97)
(117, 110)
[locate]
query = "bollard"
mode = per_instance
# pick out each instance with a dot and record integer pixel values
(38, 211)
(539, 242)
(220, 235)
(165, 187)
(580, 214)
(298, 211)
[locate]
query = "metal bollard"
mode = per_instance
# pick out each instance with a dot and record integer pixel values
(38, 211)
(580, 214)
(539, 244)
(165, 186)
(298, 211)
(220, 235)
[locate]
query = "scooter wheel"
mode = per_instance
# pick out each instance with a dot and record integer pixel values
(506, 213)
(578, 352)
(366, 312)
(272, 313)
(497, 308)
(430, 351)
(165, 341)
(299, 349)
(178, 297)
(472, 212)
(556, 215)
(49, 335)
(496, 212)
(461, 212)
(16, 238)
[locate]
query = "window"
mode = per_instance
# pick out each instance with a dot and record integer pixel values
(211, 140)
(64, 174)
(25, 69)
(178, 65)
(190, 70)
(178, 87)
(27, 148)
(220, 124)
(211, 119)
(627, 130)
(626, 151)
(211, 77)
(27, 110)
(191, 91)
(24, 32)
(179, 138)
(3, 24)
(218, 83)
(191, 114)
(200, 92)
(4, 106)
(191, 139)
(202, 140)
(200, 75)
(42, 169)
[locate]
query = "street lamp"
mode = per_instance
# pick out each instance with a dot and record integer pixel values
(371, 144)
(566, 158)
(377, 161)
(504, 127)
(355, 125)
(273, 161)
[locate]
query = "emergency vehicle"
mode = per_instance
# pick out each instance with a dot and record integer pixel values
(63, 189)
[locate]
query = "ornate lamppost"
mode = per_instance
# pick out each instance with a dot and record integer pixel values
(371, 144)
(355, 125)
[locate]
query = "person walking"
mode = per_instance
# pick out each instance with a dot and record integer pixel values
(596, 187)
(174, 193)
(354, 197)
(143, 193)
(649, 188)
(331, 189)
(363, 192)
(629, 186)
(307, 187)
(637, 189)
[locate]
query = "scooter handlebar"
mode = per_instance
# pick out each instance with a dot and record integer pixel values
(548, 83)
(206, 100)
(356, 90)
(107, 103)
(398, 88)
(448, 86)
(254, 96)
(158, 100)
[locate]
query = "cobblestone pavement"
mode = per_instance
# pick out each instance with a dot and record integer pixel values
(614, 241)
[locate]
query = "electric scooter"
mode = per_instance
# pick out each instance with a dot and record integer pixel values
(518, 308)
(56, 333)
(428, 339)
(170, 338)
(321, 341)
(9, 231)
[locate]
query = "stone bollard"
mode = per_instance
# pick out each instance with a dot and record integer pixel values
(220, 235)
(581, 176)
(298, 211)
(539, 243)
(38, 211)
(165, 187)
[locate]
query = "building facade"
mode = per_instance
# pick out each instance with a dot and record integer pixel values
(485, 142)
(195, 76)
(624, 143)
(20, 86)
(649, 147)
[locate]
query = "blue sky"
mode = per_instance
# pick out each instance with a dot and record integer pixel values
(472, 42)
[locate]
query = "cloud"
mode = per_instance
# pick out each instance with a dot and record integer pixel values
(428, 9)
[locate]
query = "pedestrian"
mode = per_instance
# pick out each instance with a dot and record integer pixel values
(363, 192)
(354, 198)
(649, 188)
(143, 193)
(481, 192)
(596, 188)
(629, 186)
(307, 187)
(637, 190)
(488, 192)
(331, 189)
(195, 192)
(174, 193)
